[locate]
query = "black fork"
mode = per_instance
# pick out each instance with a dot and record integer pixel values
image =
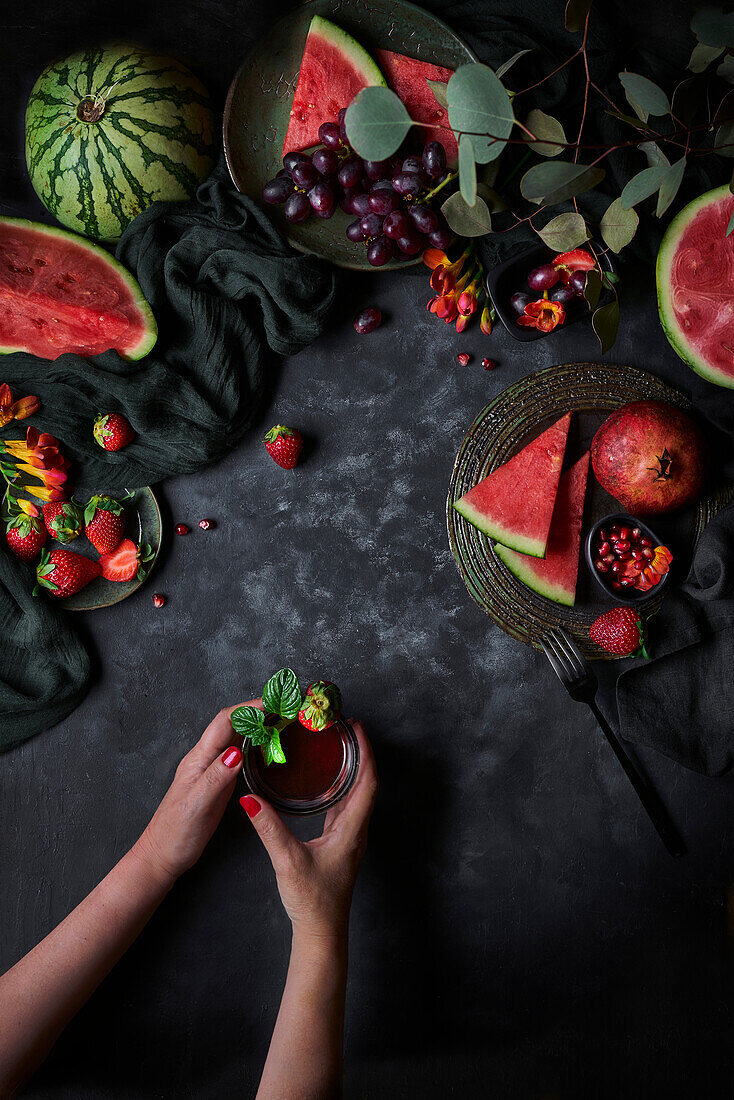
(577, 676)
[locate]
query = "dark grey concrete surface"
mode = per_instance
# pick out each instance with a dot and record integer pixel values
(518, 929)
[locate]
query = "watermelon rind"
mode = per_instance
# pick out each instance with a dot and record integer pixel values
(534, 547)
(523, 570)
(150, 332)
(668, 320)
(112, 129)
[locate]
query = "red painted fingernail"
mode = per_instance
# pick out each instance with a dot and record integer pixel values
(250, 805)
(232, 757)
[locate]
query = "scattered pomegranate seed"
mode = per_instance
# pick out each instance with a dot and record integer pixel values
(158, 599)
(463, 358)
(488, 364)
(182, 529)
(206, 524)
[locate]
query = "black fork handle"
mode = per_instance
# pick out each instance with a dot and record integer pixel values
(646, 793)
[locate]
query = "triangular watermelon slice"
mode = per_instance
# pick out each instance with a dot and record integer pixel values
(555, 576)
(334, 68)
(514, 504)
(408, 77)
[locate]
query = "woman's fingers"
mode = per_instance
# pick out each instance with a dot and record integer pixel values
(217, 736)
(214, 787)
(277, 838)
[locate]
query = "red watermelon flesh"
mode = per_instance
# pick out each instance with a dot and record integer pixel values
(555, 576)
(59, 293)
(408, 77)
(334, 68)
(514, 504)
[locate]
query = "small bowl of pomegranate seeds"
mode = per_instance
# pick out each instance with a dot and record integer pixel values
(627, 558)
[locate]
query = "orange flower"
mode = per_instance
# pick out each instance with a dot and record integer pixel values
(15, 410)
(39, 456)
(543, 315)
(649, 572)
(485, 321)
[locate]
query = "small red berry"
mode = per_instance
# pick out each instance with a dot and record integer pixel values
(463, 358)
(182, 529)
(206, 524)
(621, 630)
(284, 445)
(488, 364)
(113, 432)
(158, 599)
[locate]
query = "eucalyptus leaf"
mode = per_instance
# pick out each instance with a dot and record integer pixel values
(377, 123)
(508, 64)
(618, 225)
(439, 90)
(724, 140)
(644, 184)
(645, 94)
(605, 322)
(726, 69)
(592, 287)
(282, 694)
(671, 183)
(713, 28)
(564, 232)
(702, 57)
(655, 155)
(548, 128)
(249, 722)
(467, 221)
(576, 12)
(479, 105)
(557, 181)
(639, 123)
(467, 170)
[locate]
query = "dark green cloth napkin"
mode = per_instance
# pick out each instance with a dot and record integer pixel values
(228, 295)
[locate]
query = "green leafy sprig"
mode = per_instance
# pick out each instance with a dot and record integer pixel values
(282, 701)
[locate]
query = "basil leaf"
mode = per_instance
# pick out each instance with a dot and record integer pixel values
(250, 722)
(282, 694)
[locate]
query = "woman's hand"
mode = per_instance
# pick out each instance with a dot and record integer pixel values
(316, 878)
(194, 803)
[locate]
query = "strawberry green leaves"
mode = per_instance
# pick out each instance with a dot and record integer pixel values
(480, 107)
(377, 123)
(281, 702)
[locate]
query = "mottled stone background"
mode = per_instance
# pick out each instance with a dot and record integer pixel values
(518, 929)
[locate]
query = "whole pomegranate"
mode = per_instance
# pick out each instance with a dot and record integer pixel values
(651, 457)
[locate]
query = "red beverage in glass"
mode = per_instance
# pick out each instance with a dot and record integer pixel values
(319, 770)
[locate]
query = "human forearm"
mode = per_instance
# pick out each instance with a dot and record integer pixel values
(43, 991)
(305, 1057)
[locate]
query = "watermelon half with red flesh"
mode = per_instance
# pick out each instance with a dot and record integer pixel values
(555, 576)
(408, 78)
(514, 504)
(60, 293)
(695, 278)
(334, 68)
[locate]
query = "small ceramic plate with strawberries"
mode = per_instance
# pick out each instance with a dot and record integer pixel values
(143, 527)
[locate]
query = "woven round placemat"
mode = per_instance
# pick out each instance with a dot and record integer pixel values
(515, 417)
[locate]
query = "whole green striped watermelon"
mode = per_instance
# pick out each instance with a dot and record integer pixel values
(110, 130)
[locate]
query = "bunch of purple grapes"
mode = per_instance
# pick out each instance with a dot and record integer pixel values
(387, 197)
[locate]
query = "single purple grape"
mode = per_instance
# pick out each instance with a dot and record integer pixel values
(406, 183)
(376, 169)
(543, 277)
(381, 185)
(371, 225)
(329, 135)
(322, 198)
(384, 201)
(441, 238)
(350, 172)
(413, 164)
(325, 161)
(563, 294)
(304, 175)
(361, 204)
(290, 160)
(297, 208)
(354, 231)
(379, 251)
(278, 190)
(434, 159)
(424, 217)
(411, 244)
(577, 282)
(396, 225)
(368, 320)
(518, 301)
(346, 195)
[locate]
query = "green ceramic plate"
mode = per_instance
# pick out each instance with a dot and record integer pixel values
(515, 417)
(143, 524)
(259, 102)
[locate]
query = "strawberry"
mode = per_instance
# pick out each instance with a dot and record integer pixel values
(125, 562)
(576, 260)
(65, 573)
(26, 535)
(113, 432)
(321, 707)
(104, 524)
(620, 631)
(284, 445)
(63, 520)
